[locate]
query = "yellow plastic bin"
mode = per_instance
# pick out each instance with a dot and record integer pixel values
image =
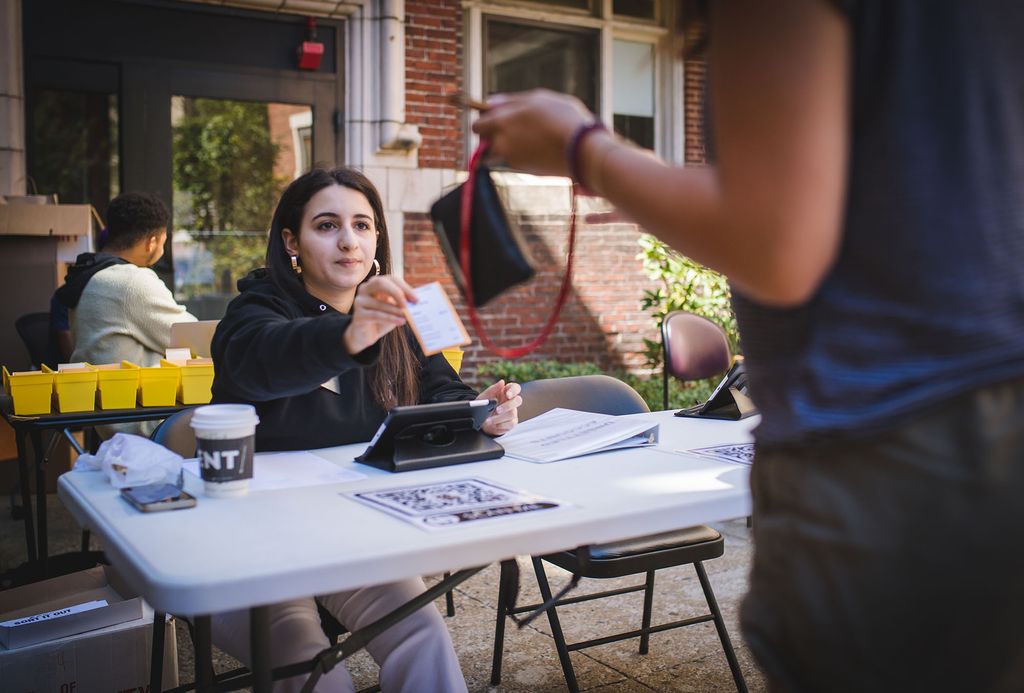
(31, 391)
(454, 357)
(196, 381)
(158, 386)
(118, 385)
(75, 388)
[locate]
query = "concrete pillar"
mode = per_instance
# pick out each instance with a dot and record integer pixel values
(12, 101)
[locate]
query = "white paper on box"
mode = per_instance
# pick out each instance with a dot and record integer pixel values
(82, 662)
(58, 613)
(178, 355)
(434, 321)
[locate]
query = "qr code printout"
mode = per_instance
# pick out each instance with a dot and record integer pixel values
(449, 496)
(739, 453)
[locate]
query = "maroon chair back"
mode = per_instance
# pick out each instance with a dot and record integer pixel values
(693, 348)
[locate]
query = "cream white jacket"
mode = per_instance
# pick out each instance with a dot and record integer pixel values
(125, 312)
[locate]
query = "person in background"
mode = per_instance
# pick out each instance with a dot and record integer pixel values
(118, 308)
(865, 202)
(59, 345)
(317, 341)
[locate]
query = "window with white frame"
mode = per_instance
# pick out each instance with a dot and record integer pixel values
(617, 56)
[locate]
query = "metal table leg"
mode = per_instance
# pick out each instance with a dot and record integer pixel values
(26, 494)
(259, 636)
(41, 530)
(204, 654)
(156, 657)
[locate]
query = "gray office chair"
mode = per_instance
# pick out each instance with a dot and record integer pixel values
(643, 555)
(34, 330)
(175, 433)
(693, 348)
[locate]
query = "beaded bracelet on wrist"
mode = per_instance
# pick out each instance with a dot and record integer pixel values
(572, 151)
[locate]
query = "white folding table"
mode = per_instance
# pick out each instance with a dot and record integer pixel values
(272, 546)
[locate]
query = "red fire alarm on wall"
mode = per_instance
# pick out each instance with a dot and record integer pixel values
(310, 51)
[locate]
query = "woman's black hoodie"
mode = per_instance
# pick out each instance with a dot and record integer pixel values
(275, 351)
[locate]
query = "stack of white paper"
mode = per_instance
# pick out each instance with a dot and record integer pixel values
(563, 433)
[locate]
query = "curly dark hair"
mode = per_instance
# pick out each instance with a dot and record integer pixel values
(131, 217)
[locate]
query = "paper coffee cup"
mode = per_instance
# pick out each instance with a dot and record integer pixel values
(225, 442)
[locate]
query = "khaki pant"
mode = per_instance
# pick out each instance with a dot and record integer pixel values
(415, 655)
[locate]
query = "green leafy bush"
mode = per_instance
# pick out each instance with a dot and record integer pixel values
(525, 371)
(685, 285)
(690, 286)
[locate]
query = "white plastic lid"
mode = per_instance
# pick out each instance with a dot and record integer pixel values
(218, 416)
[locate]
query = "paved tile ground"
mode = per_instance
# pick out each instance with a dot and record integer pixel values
(686, 660)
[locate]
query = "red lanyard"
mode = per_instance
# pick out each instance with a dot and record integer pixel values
(466, 214)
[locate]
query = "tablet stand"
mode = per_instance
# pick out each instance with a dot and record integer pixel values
(729, 401)
(431, 444)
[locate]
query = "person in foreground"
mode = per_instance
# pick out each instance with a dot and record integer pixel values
(865, 201)
(317, 342)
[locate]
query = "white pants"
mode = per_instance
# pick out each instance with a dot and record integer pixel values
(415, 655)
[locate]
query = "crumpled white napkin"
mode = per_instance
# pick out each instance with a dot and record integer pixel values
(130, 460)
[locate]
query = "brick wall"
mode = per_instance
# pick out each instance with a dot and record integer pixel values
(695, 75)
(601, 320)
(279, 122)
(433, 68)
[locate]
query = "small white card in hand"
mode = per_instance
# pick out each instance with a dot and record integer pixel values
(434, 321)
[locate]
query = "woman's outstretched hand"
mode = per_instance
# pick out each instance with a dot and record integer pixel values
(530, 130)
(506, 414)
(377, 309)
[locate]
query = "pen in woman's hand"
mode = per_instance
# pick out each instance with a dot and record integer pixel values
(458, 98)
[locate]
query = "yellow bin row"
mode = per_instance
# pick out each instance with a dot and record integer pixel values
(108, 386)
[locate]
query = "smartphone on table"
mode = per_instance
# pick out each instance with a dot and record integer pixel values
(156, 497)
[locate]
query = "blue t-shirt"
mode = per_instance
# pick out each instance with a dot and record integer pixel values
(926, 298)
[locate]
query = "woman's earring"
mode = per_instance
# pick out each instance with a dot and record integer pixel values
(295, 265)
(376, 266)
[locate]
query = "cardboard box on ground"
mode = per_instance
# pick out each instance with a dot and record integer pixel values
(110, 658)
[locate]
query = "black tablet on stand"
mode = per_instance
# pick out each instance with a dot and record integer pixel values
(432, 435)
(729, 401)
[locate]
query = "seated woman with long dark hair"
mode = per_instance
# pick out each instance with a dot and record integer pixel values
(317, 342)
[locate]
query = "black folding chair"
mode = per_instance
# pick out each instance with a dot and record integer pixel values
(643, 555)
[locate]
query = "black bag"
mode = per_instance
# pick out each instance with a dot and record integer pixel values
(498, 256)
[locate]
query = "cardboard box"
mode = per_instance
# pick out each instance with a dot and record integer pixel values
(19, 219)
(58, 594)
(111, 658)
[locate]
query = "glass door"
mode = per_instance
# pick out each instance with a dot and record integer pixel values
(230, 162)
(235, 142)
